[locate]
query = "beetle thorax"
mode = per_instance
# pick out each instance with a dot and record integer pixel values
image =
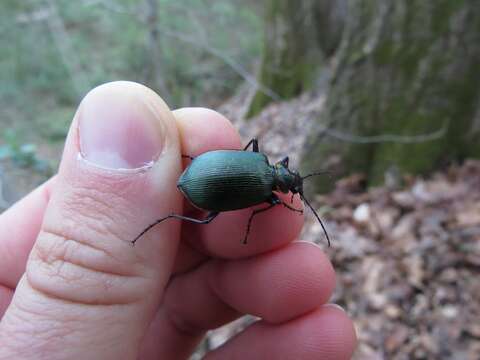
(287, 180)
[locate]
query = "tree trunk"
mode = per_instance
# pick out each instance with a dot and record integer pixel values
(296, 34)
(329, 20)
(406, 90)
(154, 65)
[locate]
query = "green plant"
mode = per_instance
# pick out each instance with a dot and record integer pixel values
(22, 155)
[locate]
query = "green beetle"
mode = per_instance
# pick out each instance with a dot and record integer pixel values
(226, 180)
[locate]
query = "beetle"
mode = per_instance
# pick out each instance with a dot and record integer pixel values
(226, 180)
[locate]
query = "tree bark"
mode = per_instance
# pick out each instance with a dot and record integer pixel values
(405, 92)
(154, 65)
(329, 19)
(297, 36)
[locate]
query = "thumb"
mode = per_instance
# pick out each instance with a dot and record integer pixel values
(87, 293)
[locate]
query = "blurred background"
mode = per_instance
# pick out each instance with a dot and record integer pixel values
(385, 94)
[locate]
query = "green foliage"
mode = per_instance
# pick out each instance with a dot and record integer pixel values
(53, 126)
(51, 57)
(290, 59)
(23, 155)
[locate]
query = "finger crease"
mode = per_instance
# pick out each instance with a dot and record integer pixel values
(62, 254)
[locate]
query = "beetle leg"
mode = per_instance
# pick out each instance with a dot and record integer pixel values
(254, 143)
(291, 208)
(276, 201)
(255, 212)
(210, 216)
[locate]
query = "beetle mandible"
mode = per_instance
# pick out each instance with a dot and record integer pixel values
(226, 180)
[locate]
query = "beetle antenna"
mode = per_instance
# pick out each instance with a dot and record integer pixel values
(318, 217)
(329, 173)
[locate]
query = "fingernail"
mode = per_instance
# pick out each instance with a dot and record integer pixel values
(118, 128)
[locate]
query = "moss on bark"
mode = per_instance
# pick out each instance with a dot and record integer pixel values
(287, 64)
(405, 68)
(297, 35)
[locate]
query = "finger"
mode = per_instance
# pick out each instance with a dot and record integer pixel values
(326, 333)
(187, 258)
(276, 287)
(203, 130)
(19, 227)
(200, 130)
(223, 237)
(6, 295)
(119, 169)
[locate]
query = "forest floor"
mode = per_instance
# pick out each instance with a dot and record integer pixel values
(407, 256)
(407, 263)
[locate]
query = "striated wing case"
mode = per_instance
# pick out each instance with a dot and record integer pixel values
(226, 180)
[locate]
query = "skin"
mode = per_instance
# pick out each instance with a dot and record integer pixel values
(71, 286)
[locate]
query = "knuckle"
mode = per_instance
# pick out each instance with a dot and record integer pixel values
(82, 251)
(67, 268)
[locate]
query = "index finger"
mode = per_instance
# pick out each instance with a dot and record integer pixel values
(19, 227)
(203, 130)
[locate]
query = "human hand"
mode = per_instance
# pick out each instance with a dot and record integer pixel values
(72, 286)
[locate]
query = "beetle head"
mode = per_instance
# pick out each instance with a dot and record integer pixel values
(287, 180)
